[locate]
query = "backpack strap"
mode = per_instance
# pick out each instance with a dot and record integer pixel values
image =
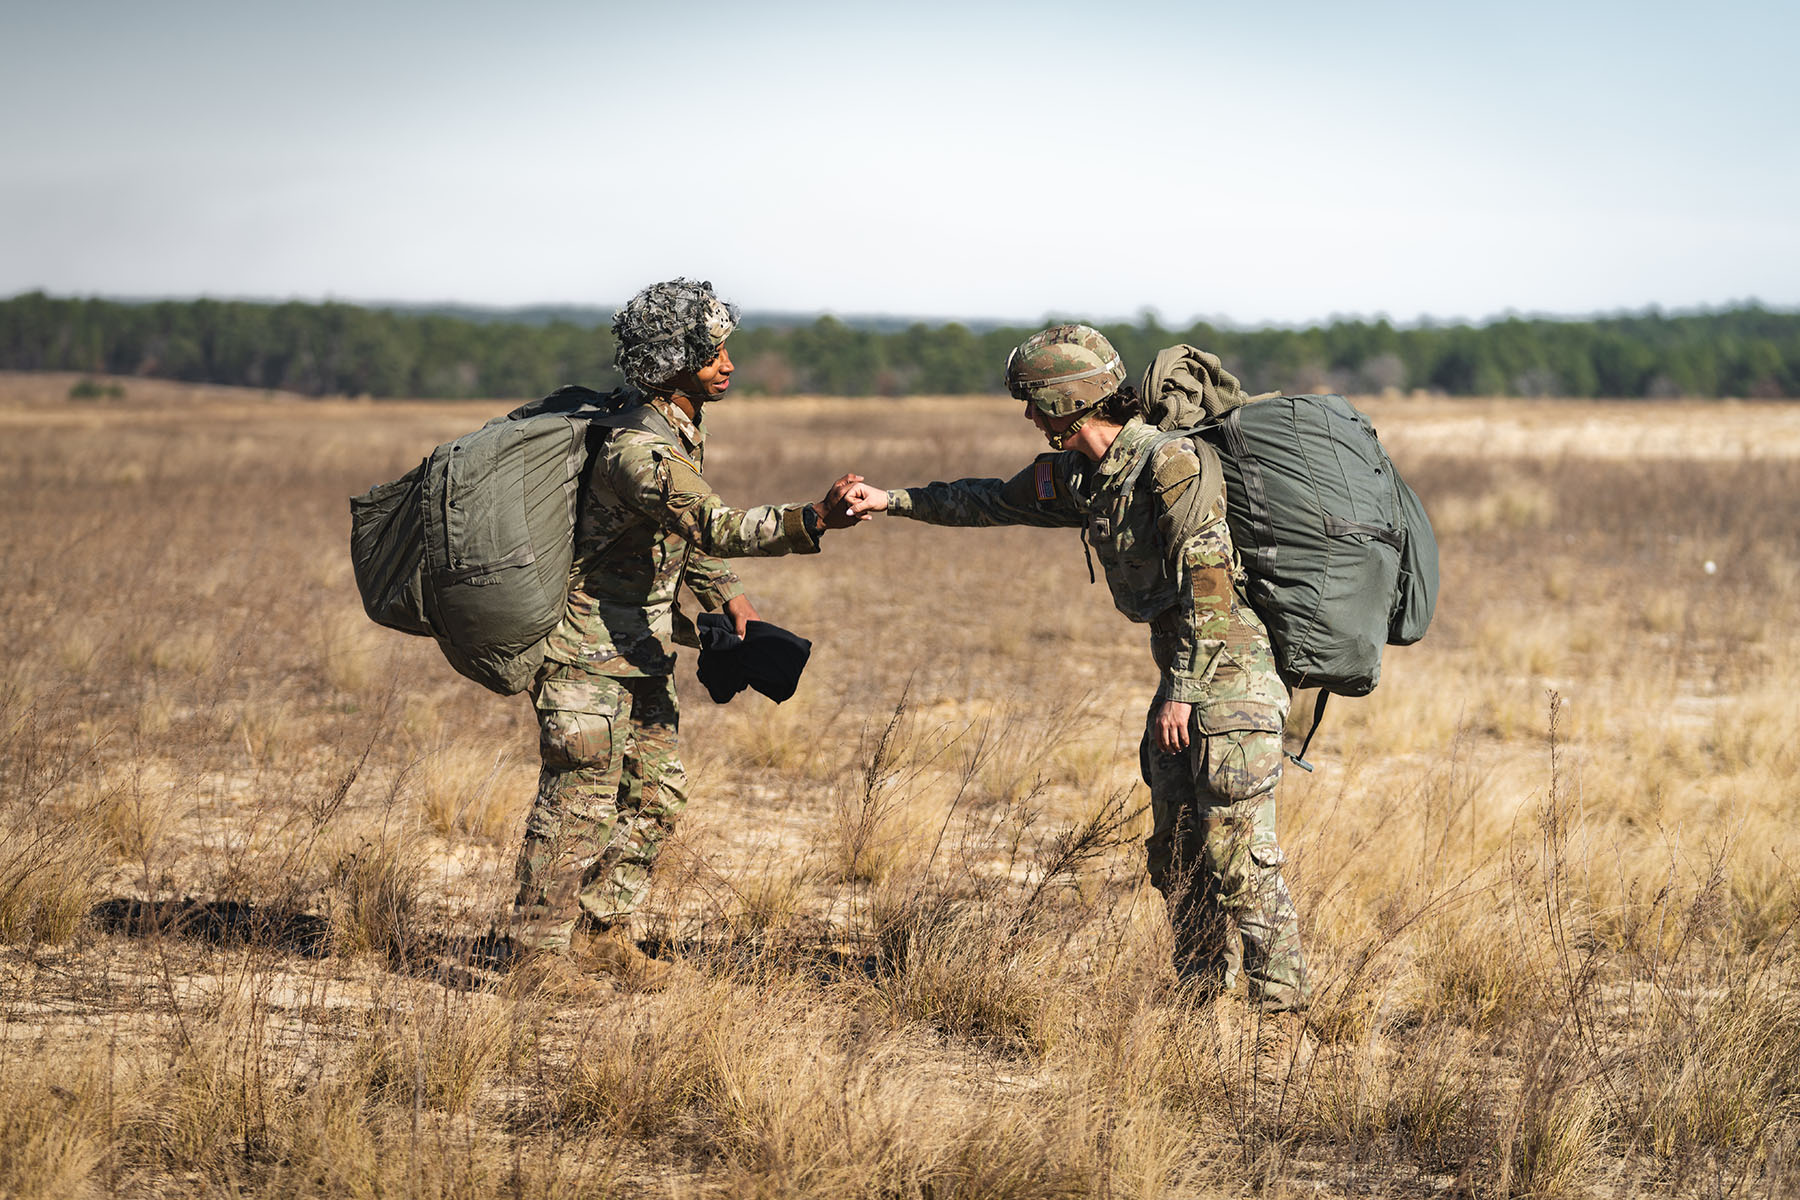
(1256, 494)
(1299, 760)
(1196, 501)
(573, 400)
(645, 418)
(1162, 439)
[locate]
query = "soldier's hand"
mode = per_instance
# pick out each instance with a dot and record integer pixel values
(741, 612)
(1171, 726)
(864, 499)
(834, 510)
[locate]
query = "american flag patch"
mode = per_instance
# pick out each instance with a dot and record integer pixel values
(1046, 480)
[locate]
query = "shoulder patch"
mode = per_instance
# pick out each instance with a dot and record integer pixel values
(1174, 468)
(678, 474)
(1045, 479)
(1174, 463)
(681, 458)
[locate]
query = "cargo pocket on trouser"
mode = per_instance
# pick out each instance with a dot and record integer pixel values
(1243, 748)
(578, 720)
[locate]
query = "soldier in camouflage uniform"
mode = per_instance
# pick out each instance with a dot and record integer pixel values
(612, 782)
(1211, 750)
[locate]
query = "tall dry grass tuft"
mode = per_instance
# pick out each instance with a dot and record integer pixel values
(875, 814)
(769, 899)
(1763, 891)
(972, 974)
(988, 958)
(473, 789)
(183, 652)
(1428, 1107)
(1481, 970)
(350, 652)
(330, 1145)
(138, 820)
(1553, 1153)
(781, 1094)
(55, 1126)
(439, 1051)
(54, 857)
(790, 739)
(1012, 752)
(51, 876)
(209, 1104)
(373, 895)
(1722, 1076)
(641, 1075)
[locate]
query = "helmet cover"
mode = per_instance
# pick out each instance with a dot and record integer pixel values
(670, 328)
(1064, 370)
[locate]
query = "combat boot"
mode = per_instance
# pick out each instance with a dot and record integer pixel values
(1272, 1047)
(1302, 1043)
(1284, 1045)
(551, 975)
(1272, 997)
(610, 953)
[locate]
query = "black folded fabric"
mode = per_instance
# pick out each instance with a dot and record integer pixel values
(767, 658)
(721, 668)
(776, 659)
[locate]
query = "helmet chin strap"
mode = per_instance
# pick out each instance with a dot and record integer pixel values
(1060, 440)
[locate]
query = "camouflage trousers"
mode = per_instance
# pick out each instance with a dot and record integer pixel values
(608, 794)
(1214, 857)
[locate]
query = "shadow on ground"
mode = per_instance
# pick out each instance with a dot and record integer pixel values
(215, 922)
(466, 963)
(462, 962)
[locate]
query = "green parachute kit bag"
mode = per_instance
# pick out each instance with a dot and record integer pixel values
(473, 546)
(1338, 552)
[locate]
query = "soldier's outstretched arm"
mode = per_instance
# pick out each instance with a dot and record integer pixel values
(1038, 495)
(653, 478)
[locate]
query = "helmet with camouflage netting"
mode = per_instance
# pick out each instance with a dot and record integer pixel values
(1064, 370)
(669, 328)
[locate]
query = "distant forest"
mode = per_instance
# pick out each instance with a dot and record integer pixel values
(322, 349)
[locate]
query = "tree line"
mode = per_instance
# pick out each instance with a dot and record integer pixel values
(333, 348)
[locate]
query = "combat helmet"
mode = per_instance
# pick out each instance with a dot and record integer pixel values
(669, 328)
(1065, 370)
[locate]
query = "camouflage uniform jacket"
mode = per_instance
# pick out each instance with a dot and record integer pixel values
(1208, 643)
(648, 521)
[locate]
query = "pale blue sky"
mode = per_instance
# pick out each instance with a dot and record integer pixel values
(1256, 163)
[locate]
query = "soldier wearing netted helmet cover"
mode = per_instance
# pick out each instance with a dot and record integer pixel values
(1211, 750)
(612, 782)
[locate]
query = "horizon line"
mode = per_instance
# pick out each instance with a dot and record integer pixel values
(1143, 315)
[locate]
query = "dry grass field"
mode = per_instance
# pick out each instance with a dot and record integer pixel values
(253, 849)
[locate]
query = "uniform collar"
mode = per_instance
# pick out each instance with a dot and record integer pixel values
(1124, 448)
(691, 432)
